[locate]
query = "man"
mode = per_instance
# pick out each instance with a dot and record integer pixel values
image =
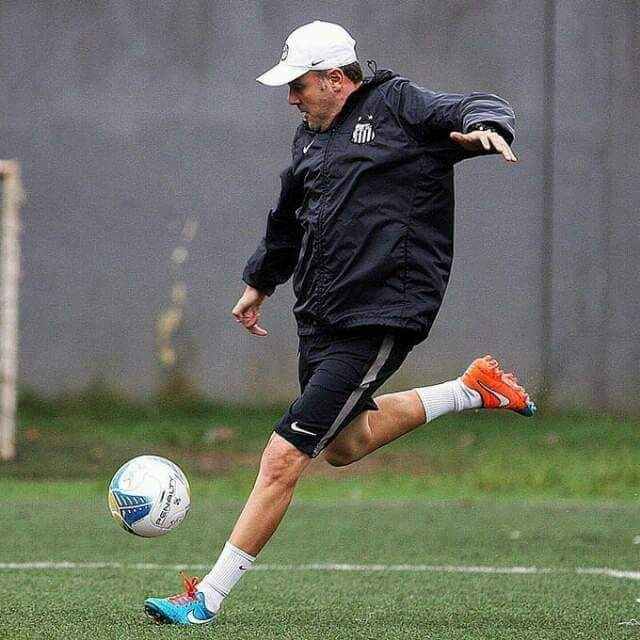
(364, 223)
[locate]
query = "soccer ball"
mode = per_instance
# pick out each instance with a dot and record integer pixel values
(149, 496)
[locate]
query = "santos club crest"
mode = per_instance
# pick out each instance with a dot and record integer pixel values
(363, 132)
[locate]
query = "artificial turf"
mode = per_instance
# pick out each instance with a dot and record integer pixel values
(558, 493)
(69, 521)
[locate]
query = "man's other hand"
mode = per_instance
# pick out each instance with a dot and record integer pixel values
(484, 141)
(247, 311)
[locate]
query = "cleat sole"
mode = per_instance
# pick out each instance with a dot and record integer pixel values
(156, 615)
(529, 410)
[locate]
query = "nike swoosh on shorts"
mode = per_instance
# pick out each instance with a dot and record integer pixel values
(295, 427)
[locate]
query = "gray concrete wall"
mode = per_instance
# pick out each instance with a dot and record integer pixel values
(131, 117)
(595, 239)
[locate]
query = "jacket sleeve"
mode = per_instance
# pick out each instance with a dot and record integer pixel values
(277, 254)
(424, 113)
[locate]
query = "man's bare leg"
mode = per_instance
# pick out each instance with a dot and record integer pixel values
(280, 468)
(398, 413)
(483, 384)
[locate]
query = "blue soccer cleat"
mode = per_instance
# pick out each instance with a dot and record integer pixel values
(183, 608)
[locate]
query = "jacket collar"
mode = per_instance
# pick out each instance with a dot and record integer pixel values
(378, 77)
(369, 83)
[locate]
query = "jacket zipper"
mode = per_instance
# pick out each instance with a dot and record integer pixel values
(323, 275)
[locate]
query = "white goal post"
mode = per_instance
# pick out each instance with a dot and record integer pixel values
(12, 197)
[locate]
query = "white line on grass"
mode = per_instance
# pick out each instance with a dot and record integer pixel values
(415, 568)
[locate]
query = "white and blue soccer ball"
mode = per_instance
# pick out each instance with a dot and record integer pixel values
(149, 496)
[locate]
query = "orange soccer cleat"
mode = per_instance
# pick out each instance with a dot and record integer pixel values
(498, 390)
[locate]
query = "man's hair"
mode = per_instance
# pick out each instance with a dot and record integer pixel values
(353, 71)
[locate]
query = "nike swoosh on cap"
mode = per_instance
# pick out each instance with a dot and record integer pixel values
(315, 62)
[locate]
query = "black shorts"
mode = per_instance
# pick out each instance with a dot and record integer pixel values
(339, 371)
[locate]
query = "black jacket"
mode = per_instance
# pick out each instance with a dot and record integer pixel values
(365, 215)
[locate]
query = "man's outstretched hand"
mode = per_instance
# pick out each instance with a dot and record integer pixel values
(484, 140)
(247, 311)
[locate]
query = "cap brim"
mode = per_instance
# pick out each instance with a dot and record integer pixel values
(281, 74)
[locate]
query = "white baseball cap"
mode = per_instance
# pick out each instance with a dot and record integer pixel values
(316, 46)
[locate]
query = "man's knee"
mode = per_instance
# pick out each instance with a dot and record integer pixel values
(340, 456)
(281, 464)
(351, 444)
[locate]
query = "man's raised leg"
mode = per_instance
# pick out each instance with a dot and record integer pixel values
(397, 414)
(483, 385)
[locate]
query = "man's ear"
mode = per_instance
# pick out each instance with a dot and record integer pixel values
(335, 78)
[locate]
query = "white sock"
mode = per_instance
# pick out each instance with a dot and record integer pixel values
(228, 569)
(448, 397)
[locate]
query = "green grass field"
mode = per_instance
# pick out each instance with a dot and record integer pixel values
(428, 532)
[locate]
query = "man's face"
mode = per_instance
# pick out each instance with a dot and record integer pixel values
(312, 94)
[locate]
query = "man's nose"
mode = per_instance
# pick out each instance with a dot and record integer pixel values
(293, 98)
